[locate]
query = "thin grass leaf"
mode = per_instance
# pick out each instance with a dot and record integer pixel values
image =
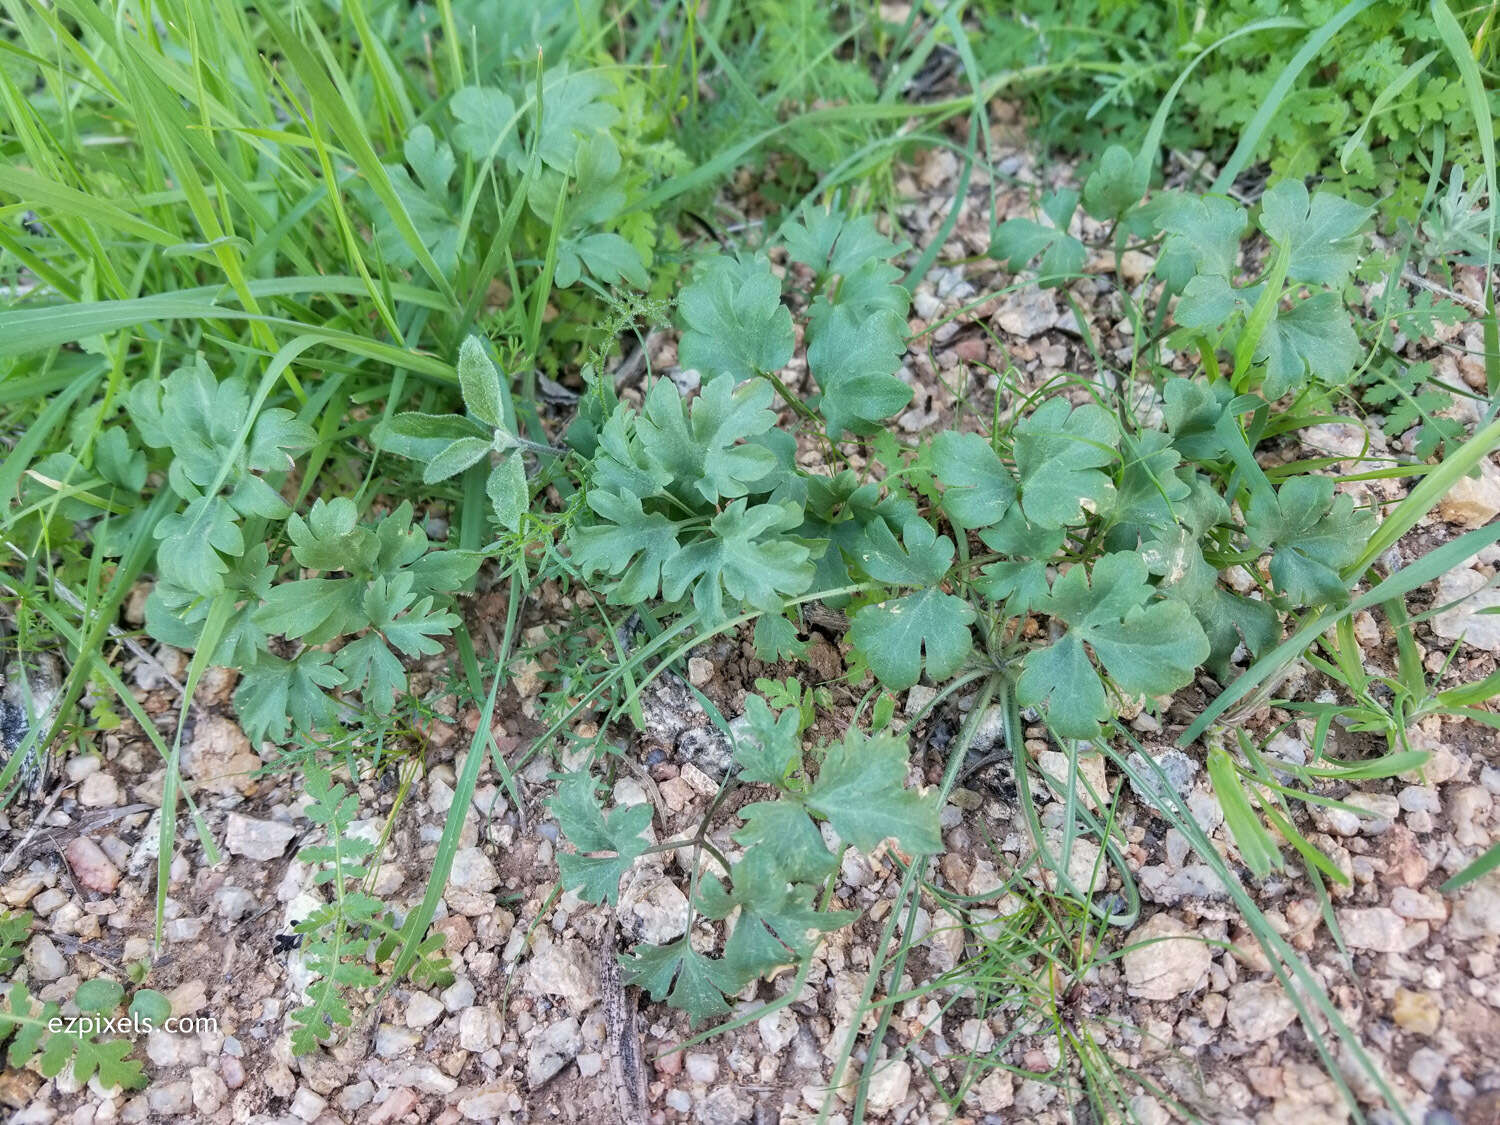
(463, 794)
(1244, 152)
(1428, 568)
(1475, 870)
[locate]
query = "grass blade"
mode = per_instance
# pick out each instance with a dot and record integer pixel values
(1436, 562)
(1476, 870)
(1244, 152)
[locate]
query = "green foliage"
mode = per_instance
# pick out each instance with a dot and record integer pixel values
(1320, 234)
(379, 590)
(685, 978)
(1411, 399)
(149, 1004)
(1137, 523)
(1117, 184)
(197, 314)
(373, 589)
(38, 1033)
(218, 466)
(776, 916)
(781, 57)
(656, 486)
(225, 455)
(1059, 451)
(596, 877)
(260, 363)
(1457, 230)
(734, 322)
(856, 329)
(1363, 114)
(789, 694)
(446, 444)
(896, 635)
(1284, 329)
(347, 938)
(1057, 255)
(28, 1024)
(570, 171)
(859, 789)
(14, 930)
(1312, 536)
(1257, 790)
(1148, 647)
(769, 750)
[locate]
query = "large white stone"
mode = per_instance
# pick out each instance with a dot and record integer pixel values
(1482, 630)
(1473, 501)
(1162, 965)
(257, 839)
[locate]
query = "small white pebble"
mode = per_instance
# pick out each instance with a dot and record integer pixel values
(702, 1067)
(422, 1009)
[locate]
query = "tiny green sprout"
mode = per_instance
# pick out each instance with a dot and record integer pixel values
(447, 444)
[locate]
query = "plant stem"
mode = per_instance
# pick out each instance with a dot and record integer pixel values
(994, 682)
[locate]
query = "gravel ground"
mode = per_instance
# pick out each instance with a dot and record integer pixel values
(528, 1031)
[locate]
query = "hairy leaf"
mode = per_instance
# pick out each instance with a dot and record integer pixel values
(776, 915)
(596, 877)
(733, 320)
(480, 383)
(861, 790)
(1312, 535)
(1147, 649)
(1059, 451)
(507, 490)
(423, 436)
